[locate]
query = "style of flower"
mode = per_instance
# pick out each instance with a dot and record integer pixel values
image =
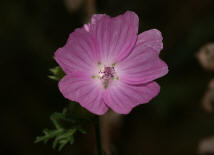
(109, 65)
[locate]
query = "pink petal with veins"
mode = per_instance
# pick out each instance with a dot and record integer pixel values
(85, 90)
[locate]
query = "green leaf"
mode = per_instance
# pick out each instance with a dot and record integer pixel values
(57, 73)
(67, 124)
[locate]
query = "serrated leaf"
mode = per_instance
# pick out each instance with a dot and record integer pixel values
(66, 125)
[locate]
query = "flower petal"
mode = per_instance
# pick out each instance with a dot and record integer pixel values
(151, 38)
(85, 90)
(96, 17)
(79, 52)
(122, 97)
(143, 64)
(115, 36)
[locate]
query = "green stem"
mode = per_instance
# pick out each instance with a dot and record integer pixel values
(98, 137)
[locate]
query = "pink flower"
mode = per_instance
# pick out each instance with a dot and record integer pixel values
(108, 65)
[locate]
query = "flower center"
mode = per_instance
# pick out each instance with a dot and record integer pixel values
(106, 74)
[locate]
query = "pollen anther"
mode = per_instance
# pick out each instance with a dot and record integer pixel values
(106, 74)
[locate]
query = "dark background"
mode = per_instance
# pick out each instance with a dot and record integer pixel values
(172, 124)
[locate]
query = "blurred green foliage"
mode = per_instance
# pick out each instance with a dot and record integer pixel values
(57, 73)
